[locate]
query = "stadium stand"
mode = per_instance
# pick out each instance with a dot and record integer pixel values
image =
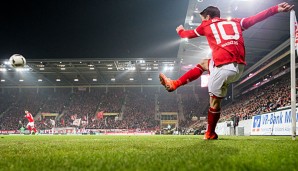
(135, 108)
(265, 99)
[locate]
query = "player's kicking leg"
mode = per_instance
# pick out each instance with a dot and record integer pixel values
(193, 74)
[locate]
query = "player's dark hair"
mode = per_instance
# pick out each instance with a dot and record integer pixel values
(211, 11)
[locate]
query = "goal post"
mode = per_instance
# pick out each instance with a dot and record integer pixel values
(293, 40)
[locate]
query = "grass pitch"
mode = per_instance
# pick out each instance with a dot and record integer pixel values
(146, 153)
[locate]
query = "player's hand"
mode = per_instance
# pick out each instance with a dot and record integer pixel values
(179, 28)
(285, 7)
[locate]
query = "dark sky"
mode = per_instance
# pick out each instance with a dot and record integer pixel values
(90, 28)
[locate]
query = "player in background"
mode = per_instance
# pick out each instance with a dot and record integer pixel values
(228, 55)
(30, 124)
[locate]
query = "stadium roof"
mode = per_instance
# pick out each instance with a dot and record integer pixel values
(88, 72)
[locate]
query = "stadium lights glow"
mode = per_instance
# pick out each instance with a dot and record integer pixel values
(168, 68)
(113, 79)
(39, 80)
(3, 69)
(168, 62)
(2, 80)
(91, 68)
(6, 63)
(132, 68)
(22, 69)
(62, 69)
(76, 79)
(110, 68)
(41, 69)
(21, 80)
(58, 80)
(94, 79)
(149, 79)
(131, 79)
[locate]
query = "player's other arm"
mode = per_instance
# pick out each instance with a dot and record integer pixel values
(250, 21)
(186, 33)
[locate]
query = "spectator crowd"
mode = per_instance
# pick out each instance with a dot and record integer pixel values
(131, 108)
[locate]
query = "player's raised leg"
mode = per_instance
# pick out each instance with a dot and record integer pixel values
(193, 74)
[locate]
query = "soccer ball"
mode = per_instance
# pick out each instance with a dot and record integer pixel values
(17, 61)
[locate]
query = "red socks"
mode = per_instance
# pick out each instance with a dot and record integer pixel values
(29, 128)
(191, 75)
(213, 117)
(34, 129)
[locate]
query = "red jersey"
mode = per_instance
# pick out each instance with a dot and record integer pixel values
(225, 36)
(29, 117)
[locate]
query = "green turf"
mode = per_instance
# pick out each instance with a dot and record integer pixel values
(147, 153)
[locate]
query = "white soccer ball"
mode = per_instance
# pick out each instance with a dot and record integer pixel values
(17, 61)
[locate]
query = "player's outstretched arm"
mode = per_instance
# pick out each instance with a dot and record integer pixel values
(250, 21)
(186, 33)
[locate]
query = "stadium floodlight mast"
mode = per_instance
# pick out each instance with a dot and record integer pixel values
(294, 40)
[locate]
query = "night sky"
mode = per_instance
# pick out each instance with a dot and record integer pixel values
(90, 28)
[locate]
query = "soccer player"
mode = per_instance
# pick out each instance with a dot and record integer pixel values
(30, 124)
(228, 55)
